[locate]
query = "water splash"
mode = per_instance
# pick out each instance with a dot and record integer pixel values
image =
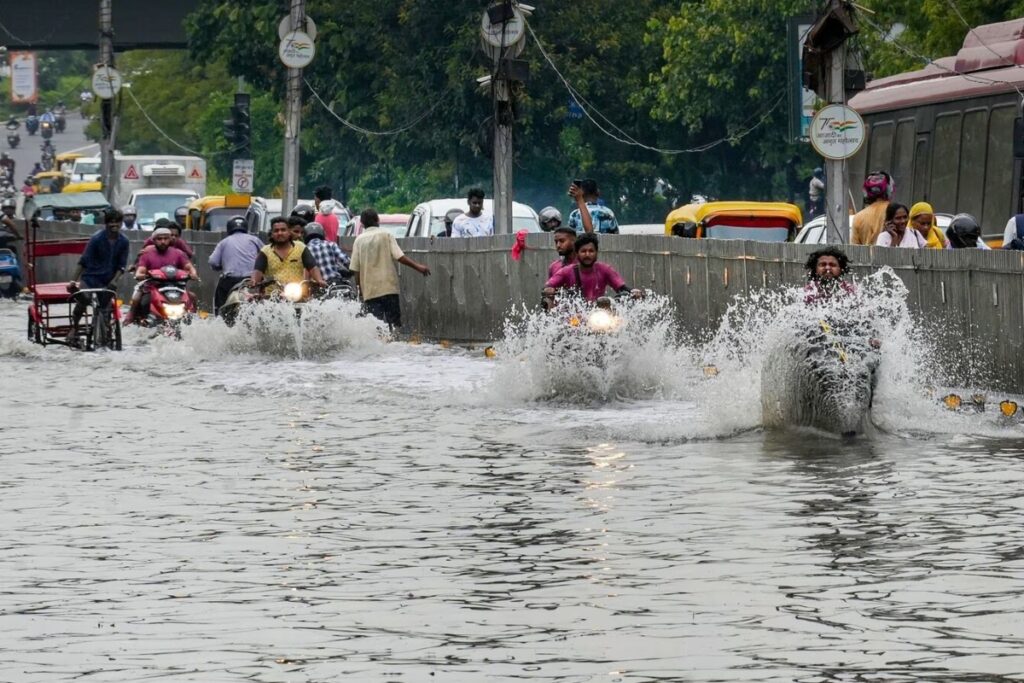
(555, 357)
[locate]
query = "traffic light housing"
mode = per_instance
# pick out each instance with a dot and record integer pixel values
(238, 129)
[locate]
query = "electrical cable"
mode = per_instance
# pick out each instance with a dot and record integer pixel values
(366, 131)
(629, 140)
(970, 29)
(158, 128)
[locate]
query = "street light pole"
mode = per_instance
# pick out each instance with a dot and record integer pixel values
(836, 213)
(293, 117)
(108, 118)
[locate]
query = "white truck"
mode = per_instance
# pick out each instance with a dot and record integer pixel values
(165, 175)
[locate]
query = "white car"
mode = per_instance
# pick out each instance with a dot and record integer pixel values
(427, 219)
(262, 209)
(85, 170)
(155, 203)
(642, 229)
(813, 231)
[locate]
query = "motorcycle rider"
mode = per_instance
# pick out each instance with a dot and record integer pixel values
(965, 233)
(284, 260)
(297, 226)
(331, 260)
(8, 229)
(826, 273)
(589, 277)
(176, 239)
(162, 255)
(130, 214)
(181, 216)
(565, 245)
(550, 219)
(48, 117)
(12, 123)
(234, 258)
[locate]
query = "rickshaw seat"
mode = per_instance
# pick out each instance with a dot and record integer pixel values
(52, 291)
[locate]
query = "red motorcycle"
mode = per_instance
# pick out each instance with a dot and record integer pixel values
(170, 303)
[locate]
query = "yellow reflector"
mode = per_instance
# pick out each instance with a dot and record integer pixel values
(1008, 408)
(710, 371)
(574, 321)
(825, 327)
(445, 344)
(414, 339)
(203, 315)
(490, 352)
(952, 401)
(120, 303)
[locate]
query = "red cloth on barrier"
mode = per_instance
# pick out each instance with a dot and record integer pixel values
(520, 246)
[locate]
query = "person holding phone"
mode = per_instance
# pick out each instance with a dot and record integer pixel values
(894, 230)
(589, 216)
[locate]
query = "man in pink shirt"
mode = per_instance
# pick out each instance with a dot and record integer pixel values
(325, 213)
(586, 276)
(155, 259)
(565, 245)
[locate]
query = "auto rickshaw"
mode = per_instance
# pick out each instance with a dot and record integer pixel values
(61, 206)
(90, 186)
(48, 182)
(65, 160)
(213, 211)
(758, 221)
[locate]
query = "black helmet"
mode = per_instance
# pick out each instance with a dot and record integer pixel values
(235, 224)
(180, 214)
(964, 232)
(305, 212)
(313, 230)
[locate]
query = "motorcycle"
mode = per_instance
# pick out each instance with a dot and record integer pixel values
(823, 377)
(46, 130)
(32, 124)
(170, 303)
(297, 293)
(13, 140)
(10, 272)
(49, 156)
(60, 121)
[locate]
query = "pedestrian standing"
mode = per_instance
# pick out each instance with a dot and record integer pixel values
(896, 232)
(373, 261)
(869, 221)
(476, 222)
(325, 212)
(816, 193)
(588, 203)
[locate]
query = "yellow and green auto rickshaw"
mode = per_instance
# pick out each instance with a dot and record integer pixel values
(759, 221)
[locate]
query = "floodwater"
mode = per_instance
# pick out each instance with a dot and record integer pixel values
(340, 508)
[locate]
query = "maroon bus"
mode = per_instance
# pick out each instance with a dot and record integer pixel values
(946, 133)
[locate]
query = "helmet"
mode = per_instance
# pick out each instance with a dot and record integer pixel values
(236, 224)
(964, 231)
(8, 203)
(305, 212)
(549, 213)
(313, 230)
(129, 210)
(878, 185)
(180, 214)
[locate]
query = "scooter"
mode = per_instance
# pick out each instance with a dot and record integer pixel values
(13, 140)
(32, 124)
(170, 302)
(46, 130)
(60, 121)
(10, 271)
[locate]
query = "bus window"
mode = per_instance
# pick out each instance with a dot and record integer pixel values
(903, 162)
(945, 162)
(880, 149)
(972, 161)
(999, 171)
(921, 159)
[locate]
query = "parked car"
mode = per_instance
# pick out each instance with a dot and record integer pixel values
(814, 230)
(262, 209)
(642, 229)
(395, 223)
(427, 219)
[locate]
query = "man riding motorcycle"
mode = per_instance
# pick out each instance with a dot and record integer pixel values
(285, 261)
(155, 259)
(233, 258)
(331, 260)
(586, 276)
(565, 245)
(826, 272)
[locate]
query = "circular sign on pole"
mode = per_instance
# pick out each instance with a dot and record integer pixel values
(494, 52)
(837, 132)
(296, 50)
(285, 27)
(106, 82)
(504, 34)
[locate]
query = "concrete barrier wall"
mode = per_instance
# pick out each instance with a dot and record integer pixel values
(975, 297)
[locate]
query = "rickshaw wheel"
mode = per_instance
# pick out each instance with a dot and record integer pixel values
(34, 333)
(116, 337)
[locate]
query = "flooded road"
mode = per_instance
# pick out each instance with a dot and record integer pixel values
(218, 510)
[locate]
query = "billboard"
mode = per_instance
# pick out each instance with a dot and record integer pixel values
(24, 85)
(74, 24)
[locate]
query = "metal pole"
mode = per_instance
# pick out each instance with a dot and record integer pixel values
(107, 117)
(293, 118)
(503, 159)
(837, 217)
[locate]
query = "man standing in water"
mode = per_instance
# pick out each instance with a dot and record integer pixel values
(373, 261)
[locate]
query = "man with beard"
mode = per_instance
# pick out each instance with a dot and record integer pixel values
(284, 260)
(586, 275)
(826, 270)
(565, 245)
(161, 256)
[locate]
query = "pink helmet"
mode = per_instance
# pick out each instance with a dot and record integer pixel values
(878, 185)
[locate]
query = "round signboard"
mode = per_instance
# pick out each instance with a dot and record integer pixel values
(286, 25)
(504, 35)
(837, 132)
(106, 82)
(296, 50)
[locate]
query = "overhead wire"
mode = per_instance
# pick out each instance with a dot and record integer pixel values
(366, 131)
(627, 139)
(157, 127)
(970, 29)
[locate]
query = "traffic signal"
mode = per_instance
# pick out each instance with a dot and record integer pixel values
(238, 129)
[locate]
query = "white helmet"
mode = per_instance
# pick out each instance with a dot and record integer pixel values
(129, 210)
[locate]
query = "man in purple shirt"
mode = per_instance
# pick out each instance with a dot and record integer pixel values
(235, 256)
(586, 276)
(565, 245)
(155, 259)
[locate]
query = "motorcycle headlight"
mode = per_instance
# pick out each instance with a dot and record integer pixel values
(293, 291)
(174, 311)
(602, 321)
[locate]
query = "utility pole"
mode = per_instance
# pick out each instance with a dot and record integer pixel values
(503, 34)
(108, 118)
(293, 116)
(837, 220)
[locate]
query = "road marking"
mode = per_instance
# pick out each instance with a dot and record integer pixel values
(79, 149)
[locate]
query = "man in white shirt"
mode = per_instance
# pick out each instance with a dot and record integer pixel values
(1011, 233)
(475, 223)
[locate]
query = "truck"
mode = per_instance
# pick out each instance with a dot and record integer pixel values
(166, 172)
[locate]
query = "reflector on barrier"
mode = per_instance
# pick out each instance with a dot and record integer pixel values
(952, 401)
(1008, 408)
